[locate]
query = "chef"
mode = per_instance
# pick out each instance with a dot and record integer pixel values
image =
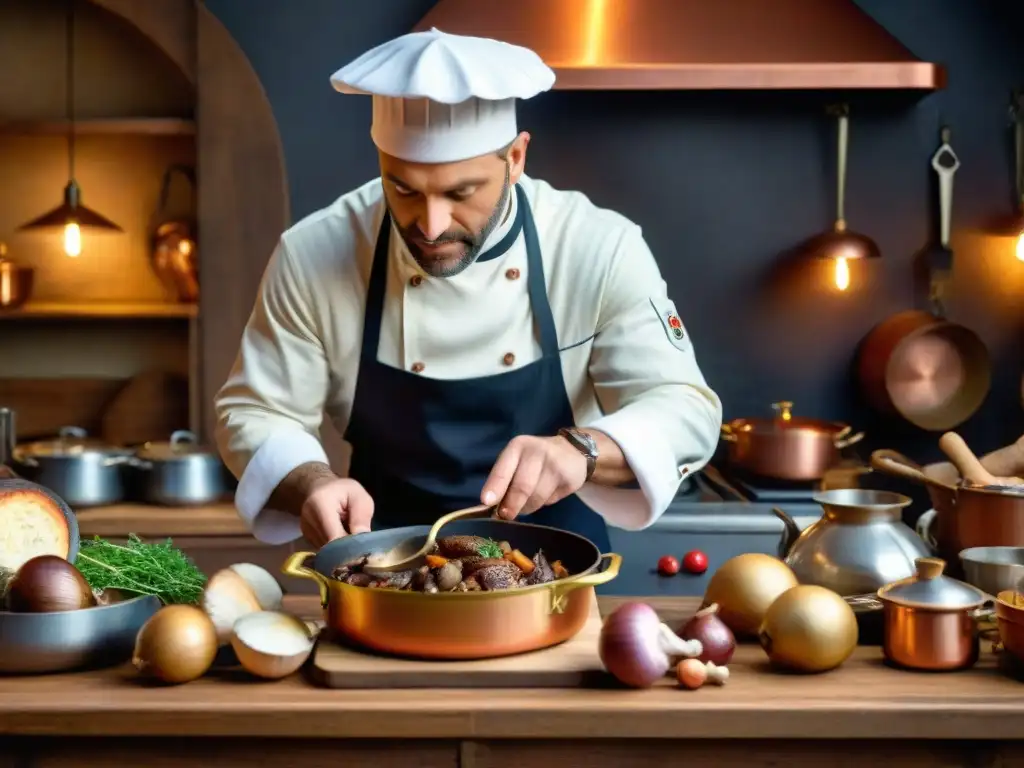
(476, 335)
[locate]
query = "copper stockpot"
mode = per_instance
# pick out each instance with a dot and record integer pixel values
(966, 516)
(460, 625)
(933, 373)
(931, 620)
(787, 447)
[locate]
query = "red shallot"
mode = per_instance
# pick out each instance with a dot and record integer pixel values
(717, 640)
(638, 649)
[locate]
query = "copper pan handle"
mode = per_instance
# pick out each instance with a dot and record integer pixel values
(295, 566)
(896, 464)
(560, 589)
(842, 433)
(845, 442)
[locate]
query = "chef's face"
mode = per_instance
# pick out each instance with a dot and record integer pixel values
(445, 212)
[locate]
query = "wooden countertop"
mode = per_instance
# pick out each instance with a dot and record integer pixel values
(863, 699)
(153, 522)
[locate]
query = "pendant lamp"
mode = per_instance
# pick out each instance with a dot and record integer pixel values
(71, 215)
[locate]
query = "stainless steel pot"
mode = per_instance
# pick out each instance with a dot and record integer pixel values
(84, 472)
(181, 473)
(859, 545)
(40, 643)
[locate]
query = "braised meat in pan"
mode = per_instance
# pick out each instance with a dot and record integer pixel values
(461, 564)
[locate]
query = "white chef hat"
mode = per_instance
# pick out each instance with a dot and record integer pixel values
(440, 98)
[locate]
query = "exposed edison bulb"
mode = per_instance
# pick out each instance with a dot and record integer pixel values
(842, 274)
(72, 239)
(1020, 247)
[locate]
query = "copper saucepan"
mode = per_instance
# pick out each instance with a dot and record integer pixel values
(933, 373)
(787, 447)
(460, 625)
(966, 516)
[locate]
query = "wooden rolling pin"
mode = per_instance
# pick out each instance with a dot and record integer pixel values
(971, 469)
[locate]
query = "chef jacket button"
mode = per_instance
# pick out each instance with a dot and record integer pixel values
(415, 280)
(508, 359)
(417, 367)
(512, 274)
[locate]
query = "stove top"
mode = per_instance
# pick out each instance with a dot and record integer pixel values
(732, 484)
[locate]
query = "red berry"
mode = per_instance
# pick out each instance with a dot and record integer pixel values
(668, 566)
(695, 561)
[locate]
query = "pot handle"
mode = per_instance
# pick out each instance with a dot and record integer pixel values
(559, 591)
(727, 434)
(296, 567)
(840, 441)
(896, 464)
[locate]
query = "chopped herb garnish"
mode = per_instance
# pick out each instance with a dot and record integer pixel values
(490, 549)
(141, 568)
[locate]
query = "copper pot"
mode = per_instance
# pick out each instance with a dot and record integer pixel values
(460, 625)
(931, 620)
(966, 516)
(787, 447)
(15, 282)
(933, 373)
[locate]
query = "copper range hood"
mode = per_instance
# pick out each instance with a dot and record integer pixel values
(697, 44)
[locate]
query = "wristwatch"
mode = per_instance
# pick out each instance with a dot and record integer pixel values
(583, 443)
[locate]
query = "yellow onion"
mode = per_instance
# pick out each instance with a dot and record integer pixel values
(271, 644)
(178, 644)
(809, 629)
(744, 586)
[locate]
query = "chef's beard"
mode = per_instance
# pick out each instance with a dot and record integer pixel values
(471, 245)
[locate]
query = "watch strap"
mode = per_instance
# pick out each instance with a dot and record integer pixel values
(583, 443)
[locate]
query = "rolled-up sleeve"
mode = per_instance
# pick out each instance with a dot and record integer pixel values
(657, 406)
(270, 409)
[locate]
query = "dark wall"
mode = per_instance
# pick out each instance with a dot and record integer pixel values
(724, 184)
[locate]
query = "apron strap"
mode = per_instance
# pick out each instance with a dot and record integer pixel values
(536, 285)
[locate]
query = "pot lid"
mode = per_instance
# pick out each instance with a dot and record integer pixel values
(784, 420)
(928, 588)
(181, 445)
(70, 441)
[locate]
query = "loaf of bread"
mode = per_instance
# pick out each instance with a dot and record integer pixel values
(32, 523)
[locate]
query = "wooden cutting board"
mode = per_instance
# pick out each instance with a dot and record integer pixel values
(575, 663)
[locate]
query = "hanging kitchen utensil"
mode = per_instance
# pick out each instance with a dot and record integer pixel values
(71, 215)
(917, 364)
(840, 244)
(173, 253)
(15, 281)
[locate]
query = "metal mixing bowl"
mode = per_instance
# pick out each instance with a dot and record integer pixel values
(993, 569)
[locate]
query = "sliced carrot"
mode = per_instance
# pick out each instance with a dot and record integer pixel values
(559, 570)
(521, 561)
(436, 561)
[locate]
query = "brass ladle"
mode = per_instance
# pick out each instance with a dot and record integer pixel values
(840, 243)
(407, 556)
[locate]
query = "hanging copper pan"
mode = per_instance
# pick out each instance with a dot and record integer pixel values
(917, 364)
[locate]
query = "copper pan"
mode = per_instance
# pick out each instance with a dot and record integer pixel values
(933, 373)
(966, 517)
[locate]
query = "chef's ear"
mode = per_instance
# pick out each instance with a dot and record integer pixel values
(515, 156)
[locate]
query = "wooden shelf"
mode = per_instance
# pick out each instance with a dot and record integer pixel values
(160, 522)
(139, 126)
(100, 310)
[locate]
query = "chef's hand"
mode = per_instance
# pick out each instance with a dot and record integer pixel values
(534, 472)
(335, 508)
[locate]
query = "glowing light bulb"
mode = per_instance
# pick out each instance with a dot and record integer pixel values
(1020, 247)
(72, 239)
(842, 275)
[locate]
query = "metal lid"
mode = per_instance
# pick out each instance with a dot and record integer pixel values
(784, 420)
(181, 445)
(71, 441)
(930, 589)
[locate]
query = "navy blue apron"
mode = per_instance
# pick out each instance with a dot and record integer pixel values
(423, 447)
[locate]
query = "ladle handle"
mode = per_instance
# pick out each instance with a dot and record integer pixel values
(964, 459)
(897, 465)
(946, 163)
(484, 510)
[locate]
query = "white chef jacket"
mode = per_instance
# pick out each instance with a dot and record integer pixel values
(628, 372)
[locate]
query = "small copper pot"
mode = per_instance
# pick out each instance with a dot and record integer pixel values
(931, 620)
(787, 447)
(460, 625)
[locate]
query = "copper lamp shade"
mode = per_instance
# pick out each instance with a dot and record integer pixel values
(71, 210)
(840, 242)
